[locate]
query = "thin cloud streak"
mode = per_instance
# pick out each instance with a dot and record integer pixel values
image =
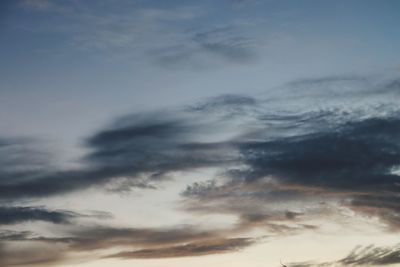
(188, 250)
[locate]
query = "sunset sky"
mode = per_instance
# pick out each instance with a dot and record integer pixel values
(215, 133)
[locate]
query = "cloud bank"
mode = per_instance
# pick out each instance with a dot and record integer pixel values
(282, 164)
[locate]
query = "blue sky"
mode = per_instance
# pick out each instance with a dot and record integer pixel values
(168, 133)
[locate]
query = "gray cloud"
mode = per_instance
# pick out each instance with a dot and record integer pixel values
(133, 148)
(350, 162)
(10, 215)
(13, 215)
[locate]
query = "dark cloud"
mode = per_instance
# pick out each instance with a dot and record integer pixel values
(9, 235)
(140, 149)
(362, 256)
(187, 250)
(13, 215)
(10, 215)
(357, 156)
(157, 145)
(351, 161)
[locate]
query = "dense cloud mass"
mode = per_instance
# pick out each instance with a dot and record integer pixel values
(277, 170)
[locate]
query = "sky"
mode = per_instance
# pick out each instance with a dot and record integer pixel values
(240, 133)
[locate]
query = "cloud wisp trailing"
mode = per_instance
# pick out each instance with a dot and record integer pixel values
(362, 256)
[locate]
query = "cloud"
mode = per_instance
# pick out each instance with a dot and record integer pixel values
(188, 250)
(179, 241)
(9, 235)
(356, 156)
(262, 154)
(222, 42)
(386, 207)
(22, 159)
(139, 148)
(259, 204)
(314, 163)
(14, 215)
(166, 35)
(372, 255)
(350, 162)
(10, 215)
(201, 48)
(279, 171)
(362, 256)
(226, 105)
(88, 238)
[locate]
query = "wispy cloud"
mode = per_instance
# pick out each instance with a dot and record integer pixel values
(151, 243)
(188, 250)
(163, 36)
(209, 47)
(362, 256)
